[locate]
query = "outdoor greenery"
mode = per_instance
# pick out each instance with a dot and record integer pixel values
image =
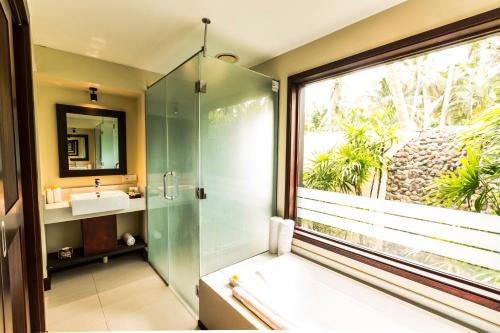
(476, 182)
(354, 124)
(454, 266)
(362, 155)
(376, 108)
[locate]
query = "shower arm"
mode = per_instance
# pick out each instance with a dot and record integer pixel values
(206, 22)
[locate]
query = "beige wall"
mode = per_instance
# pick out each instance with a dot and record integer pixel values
(75, 70)
(47, 98)
(62, 77)
(407, 19)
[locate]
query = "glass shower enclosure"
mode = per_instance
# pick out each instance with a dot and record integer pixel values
(211, 130)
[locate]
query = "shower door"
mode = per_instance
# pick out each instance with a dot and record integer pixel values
(172, 111)
(211, 126)
(238, 121)
(157, 214)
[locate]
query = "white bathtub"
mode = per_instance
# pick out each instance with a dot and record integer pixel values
(310, 296)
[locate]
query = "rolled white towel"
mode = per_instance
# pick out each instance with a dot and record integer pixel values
(128, 239)
(266, 314)
(285, 235)
(273, 233)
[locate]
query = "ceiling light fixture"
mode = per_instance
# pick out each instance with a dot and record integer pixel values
(93, 94)
(228, 57)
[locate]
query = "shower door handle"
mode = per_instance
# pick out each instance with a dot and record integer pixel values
(165, 185)
(200, 193)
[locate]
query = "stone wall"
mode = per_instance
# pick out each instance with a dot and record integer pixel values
(422, 159)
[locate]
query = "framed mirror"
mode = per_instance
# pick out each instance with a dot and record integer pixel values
(91, 142)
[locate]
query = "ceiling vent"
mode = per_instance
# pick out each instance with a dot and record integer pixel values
(228, 57)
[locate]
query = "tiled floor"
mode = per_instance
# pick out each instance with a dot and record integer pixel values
(124, 294)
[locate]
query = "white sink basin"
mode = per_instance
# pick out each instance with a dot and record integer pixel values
(89, 203)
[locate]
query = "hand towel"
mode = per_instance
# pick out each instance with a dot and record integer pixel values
(285, 235)
(273, 233)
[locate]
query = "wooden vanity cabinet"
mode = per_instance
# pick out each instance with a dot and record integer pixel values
(99, 234)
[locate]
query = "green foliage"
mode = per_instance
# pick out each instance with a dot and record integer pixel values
(486, 129)
(476, 182)
(476, 86)
(344, 170)
(352, 166)
(317, 121)
(472, 69)
(456, 188)
(321, 175)
(384, 97)
(461, 268)
(366, 141)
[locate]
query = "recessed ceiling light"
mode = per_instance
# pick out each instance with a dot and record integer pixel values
(228, 57)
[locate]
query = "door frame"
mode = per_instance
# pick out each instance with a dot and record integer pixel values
(28, 161)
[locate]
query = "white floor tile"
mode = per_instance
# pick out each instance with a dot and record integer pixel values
(125, 294)
(76, 316)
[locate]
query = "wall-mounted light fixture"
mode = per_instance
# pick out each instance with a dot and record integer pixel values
(93, 94)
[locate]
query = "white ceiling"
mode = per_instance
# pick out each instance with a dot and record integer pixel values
(157, 35)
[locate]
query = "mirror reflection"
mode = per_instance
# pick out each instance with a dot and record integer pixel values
(92, 142)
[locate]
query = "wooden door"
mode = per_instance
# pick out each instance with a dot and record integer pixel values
(13, 276)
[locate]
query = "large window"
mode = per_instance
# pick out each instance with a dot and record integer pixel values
(402, 157)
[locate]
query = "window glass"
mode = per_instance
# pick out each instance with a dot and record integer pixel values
(404, 158)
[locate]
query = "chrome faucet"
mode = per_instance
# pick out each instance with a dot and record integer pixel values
(98, 187)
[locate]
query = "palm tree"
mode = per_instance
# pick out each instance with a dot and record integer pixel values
(321, 175)
(346, 169)
(399, 98)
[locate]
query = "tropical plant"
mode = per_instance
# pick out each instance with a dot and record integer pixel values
(321, 175)
(476, 182)
(346, 169)
(486, 128)
(318, 119)
(443, 88)
(352, 167)
(453, 189)
(384, 128)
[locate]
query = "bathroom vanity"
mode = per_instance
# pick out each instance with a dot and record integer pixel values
(90, 220)
(102, 222)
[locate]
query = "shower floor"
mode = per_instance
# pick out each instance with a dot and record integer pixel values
(124, 294)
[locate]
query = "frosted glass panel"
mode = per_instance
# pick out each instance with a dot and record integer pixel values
(237, 170)
(223, 140)
(156, 139)
(182, 127)
(172, 132)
